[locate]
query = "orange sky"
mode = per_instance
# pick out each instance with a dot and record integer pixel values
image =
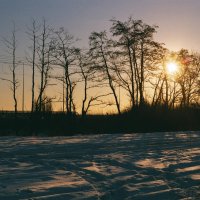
(178, 22)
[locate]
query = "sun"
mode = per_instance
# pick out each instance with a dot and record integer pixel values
(172, 67)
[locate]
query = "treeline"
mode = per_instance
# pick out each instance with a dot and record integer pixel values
(145, 119)
(126, 56)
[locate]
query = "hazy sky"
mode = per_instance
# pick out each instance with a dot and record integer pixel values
(178, 20)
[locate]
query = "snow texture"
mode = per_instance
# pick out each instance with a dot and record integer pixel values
(113, 166)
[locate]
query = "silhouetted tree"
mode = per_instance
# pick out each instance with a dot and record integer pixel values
(65, 57)
(131, 60)
(100, 50)
(44, 52)
(33, 35)
(139, 53)
(11, 44)
(46, 105)
(89, 81)
(85, 74)
(188, 76)
(126, 39)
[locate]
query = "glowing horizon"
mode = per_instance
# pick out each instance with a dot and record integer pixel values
(81, 17)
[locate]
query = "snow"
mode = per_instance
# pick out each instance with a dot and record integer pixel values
(106, 166)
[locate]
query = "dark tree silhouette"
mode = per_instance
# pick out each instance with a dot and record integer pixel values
(100, 50)
(127, 58)
(44, 52)
(89, 81)
(65, 57)
(139, 54)
(11, 45)
(32, 33)
(188, 77)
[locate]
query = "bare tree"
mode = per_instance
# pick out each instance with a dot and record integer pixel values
(44, 52)
(85, 74)
(100, 50)
(138, 52)
(33, 35)
(164, 85)
(65, 57)
(188, 76)
(11, 44)
(89, 81)
(125, 40)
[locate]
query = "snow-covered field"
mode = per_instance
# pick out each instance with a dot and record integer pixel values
(121, 166)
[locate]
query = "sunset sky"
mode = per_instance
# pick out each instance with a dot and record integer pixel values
(178, 22)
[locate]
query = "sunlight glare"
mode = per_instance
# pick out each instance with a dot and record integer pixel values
(172, 67)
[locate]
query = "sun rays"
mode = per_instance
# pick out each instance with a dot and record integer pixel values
(172, 67)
